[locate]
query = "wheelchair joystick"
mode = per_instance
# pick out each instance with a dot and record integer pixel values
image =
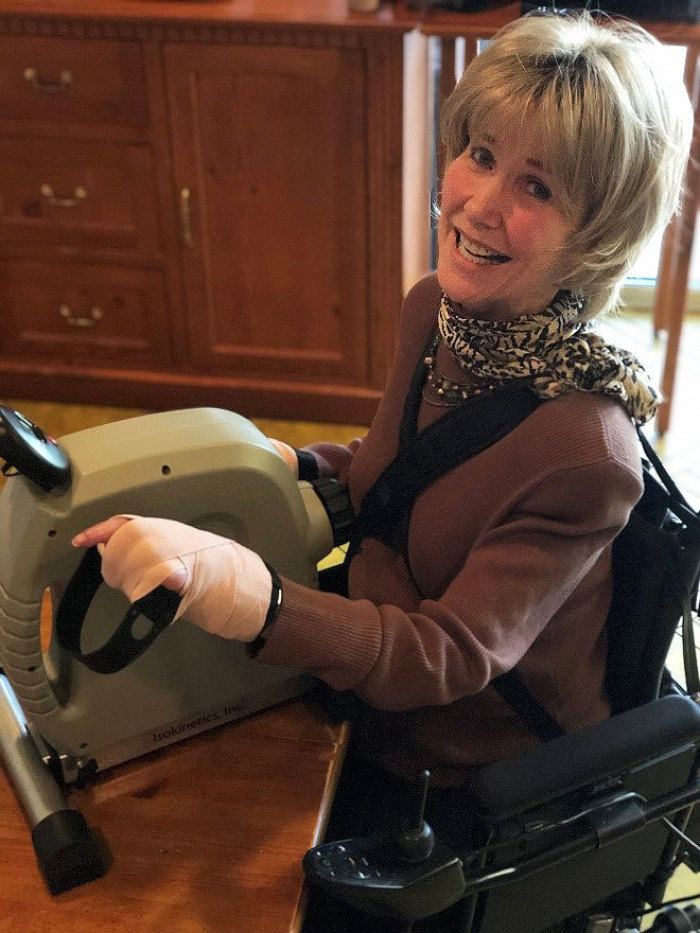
(407, 875)
(417, 842)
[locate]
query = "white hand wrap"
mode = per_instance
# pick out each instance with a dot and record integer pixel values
(227, 587)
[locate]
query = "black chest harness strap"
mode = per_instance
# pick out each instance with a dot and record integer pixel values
(462, 432)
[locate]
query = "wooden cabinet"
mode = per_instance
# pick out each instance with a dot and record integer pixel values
(199, 212)
(82, 266)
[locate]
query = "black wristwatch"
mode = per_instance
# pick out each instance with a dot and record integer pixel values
(308, 466)
(254, 647)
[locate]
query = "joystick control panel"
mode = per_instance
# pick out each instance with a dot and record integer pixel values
(407, 875)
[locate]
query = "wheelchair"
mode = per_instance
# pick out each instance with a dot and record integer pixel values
(581, 833)
(578, 835)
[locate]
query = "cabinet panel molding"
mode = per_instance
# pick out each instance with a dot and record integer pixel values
(193, 29)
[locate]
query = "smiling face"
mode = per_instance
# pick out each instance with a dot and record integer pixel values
(503, 228)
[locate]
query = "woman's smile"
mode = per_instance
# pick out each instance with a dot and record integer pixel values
(477, 252)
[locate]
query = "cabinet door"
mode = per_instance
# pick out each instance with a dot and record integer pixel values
(271, 174)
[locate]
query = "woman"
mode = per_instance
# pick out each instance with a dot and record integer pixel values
(566, 143)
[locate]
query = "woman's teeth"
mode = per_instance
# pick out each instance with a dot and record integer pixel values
(480, 255)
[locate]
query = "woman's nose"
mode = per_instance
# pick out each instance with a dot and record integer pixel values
(487, 203)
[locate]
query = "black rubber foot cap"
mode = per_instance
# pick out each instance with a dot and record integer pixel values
(66, 850)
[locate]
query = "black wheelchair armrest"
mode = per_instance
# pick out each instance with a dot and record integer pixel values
(580, 759)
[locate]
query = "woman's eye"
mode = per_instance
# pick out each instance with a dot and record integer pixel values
(481, 156)
(538, 190)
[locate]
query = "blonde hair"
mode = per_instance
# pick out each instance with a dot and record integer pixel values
(616, 126)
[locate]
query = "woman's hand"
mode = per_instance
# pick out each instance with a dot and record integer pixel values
(288, 454)
(225, 587)
(98, 535)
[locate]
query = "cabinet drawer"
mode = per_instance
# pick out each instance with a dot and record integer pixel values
(77, 193)
(89, 315)
(71, 80)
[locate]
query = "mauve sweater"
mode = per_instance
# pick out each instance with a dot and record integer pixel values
(511, 553)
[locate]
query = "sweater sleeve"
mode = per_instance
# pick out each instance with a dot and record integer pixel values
(329, 460)
(509, 586)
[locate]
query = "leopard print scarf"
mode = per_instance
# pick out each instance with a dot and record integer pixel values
(554, 350)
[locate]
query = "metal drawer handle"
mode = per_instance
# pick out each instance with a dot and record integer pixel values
(78, 195)
(65, 79)
(73, 321)
(186, 215)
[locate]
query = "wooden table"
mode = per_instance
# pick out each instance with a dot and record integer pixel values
(206, 835)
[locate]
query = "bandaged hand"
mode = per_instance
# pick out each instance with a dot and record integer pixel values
(225, 587)
(288, 454)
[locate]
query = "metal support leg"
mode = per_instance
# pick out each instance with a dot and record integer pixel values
(67, 853)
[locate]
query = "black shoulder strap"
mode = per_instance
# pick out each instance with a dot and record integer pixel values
(681, 506)
(512, 687)
(423, 457)
(461, 433)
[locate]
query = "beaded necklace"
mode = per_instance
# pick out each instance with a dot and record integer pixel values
(448, 393)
